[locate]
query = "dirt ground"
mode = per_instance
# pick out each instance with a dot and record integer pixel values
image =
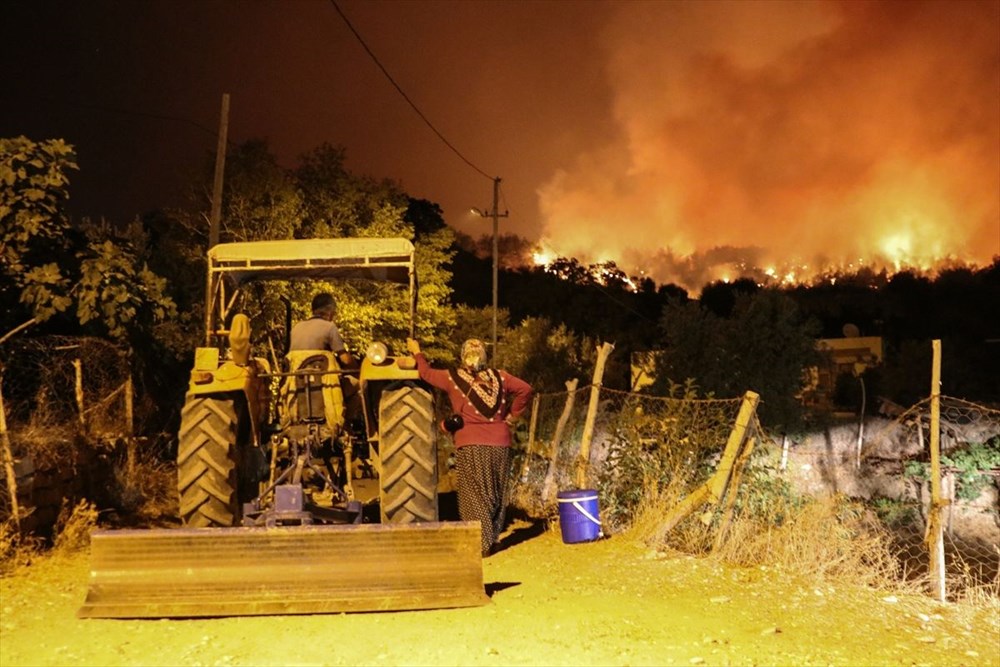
(603, 603)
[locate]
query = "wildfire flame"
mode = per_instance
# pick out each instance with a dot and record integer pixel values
(543, 257)
(792, 142)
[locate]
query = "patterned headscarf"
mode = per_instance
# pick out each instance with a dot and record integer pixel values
(474, 354)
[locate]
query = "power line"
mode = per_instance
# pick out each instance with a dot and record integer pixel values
(126, 112)
(406, 97)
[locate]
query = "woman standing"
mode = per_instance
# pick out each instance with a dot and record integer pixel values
(488, 400)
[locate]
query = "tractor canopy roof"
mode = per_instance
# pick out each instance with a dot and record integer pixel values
(386, 259)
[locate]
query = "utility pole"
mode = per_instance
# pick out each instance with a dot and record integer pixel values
(496, 215)
(214, 220)
(220, 168)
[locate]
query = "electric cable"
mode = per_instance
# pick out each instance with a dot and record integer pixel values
(400, 90)
(127, 112)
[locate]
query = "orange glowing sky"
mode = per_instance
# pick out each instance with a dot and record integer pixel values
(675, 138)
(795, 135)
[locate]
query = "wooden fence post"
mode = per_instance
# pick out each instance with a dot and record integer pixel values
(129, 425)
(8, 459)
(78, 372)
(935, 528)
(532, 424)
(713, 490)
(719, 481)
(583, 462)
(550, 475)
(734, 487)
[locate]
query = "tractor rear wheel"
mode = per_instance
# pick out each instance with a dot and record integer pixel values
(408, 454)
(208, 461)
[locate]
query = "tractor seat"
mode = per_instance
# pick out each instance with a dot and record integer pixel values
(315, 397)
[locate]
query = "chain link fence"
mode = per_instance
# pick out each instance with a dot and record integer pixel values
(66, 384)
(875, 472)
(969, 487)
(669, 437)
(67, 408)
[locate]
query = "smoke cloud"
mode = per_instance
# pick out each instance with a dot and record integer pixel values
(795, 137)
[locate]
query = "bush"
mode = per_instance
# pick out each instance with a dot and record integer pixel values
(830, 539)
(74, 526)
(972, 464)
(17, 550)
(659, 447)
(144, 485)
(896, 513)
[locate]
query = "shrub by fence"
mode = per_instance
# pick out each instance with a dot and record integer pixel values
(66, 402)
(650, 452)
(63, 382)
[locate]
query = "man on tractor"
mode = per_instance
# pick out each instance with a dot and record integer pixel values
(320, 332)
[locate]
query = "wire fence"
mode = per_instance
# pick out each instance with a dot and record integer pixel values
(670, 435)
(66, 403)
(969, 484)
(60, 384)
(644, 443)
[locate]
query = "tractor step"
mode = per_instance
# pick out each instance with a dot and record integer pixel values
(198, 572)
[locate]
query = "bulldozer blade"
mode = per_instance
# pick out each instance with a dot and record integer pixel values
(185, 572)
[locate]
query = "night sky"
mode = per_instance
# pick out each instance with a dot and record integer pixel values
(677, 138)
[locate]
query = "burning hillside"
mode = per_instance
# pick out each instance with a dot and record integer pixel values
(788, 141)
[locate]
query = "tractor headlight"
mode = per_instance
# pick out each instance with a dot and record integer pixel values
(377, 353)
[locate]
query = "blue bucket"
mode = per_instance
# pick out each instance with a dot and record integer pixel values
(579, 518)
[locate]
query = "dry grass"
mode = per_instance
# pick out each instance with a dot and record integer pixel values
(17, 550)
(830, 539)
(145, 488)
(833, 539)
(48, 445)
(646, 522)
(74, 526)
(971, 586)
(979, 606)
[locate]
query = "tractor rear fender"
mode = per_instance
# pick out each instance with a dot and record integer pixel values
(393, 368)
(375, 378)
(212, 377)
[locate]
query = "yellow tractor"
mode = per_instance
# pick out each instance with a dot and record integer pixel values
(266, 449)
